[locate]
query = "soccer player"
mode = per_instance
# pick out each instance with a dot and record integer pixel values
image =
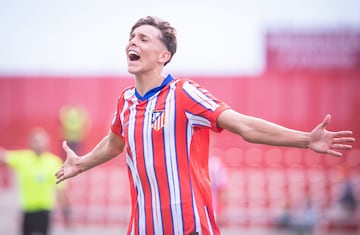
(164, 123)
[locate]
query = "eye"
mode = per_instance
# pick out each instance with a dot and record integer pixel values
(144, 39)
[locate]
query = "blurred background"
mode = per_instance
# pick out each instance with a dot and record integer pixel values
(291, 62)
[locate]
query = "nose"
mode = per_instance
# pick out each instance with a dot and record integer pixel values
(132, 42)
(129, 45)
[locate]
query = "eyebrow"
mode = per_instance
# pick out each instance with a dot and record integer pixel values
(140, 35)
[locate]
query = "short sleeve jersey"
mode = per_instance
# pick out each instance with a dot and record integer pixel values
(167, 137)
(36, 179)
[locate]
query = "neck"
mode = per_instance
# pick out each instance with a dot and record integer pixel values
(145, 83)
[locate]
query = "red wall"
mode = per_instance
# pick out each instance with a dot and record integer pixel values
(298, 101)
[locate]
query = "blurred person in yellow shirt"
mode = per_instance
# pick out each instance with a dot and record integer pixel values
(74, 120)
(34, 169)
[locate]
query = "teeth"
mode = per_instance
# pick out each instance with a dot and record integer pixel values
(133, 53)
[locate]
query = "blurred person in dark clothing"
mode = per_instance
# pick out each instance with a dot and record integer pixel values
(344, 208)
(347, 198)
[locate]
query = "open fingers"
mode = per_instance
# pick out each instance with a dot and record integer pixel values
(60, 172)
(60, 179)
(326, 121)
(60, 176)
(344, 140)
(334, 153)
(341, 146)
(343, 134)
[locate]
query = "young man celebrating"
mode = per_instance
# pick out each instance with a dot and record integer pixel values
(164, 123)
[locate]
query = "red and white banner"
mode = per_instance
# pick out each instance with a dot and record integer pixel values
(314, 51)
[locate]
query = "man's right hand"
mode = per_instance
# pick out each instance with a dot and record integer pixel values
(70, 167)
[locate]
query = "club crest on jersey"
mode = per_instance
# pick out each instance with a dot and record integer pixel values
(158, 119)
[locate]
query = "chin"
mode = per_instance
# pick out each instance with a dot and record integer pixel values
(135, 70)
(132, 71)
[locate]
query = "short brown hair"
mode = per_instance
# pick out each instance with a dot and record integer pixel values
(168, 32)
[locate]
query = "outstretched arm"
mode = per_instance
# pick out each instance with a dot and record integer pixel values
(109, 147)
(256, 130)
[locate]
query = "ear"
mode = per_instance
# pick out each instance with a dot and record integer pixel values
(164, 57)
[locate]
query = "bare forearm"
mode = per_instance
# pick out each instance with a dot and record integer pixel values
(264, 132)
(109, 147)
(256, 130)
(104, 151)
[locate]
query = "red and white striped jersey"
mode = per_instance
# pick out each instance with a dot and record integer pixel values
(167, 137)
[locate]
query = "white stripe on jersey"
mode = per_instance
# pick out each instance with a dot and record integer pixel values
(189, 133)
(133, 168)
(197, 120)
(200, 97)
(208, 220)
(150, 170)
(171, 161)
(127, 95)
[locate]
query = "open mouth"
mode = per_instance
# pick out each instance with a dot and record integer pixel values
(133, 56)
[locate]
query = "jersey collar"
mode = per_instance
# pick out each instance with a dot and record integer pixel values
(151, 92)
